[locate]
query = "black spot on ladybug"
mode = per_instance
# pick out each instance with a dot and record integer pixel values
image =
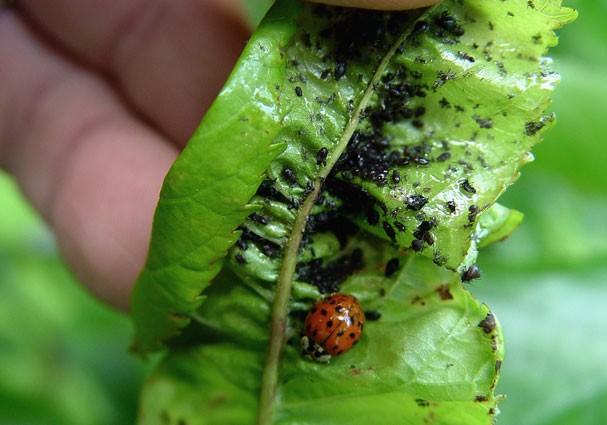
(323, 312)
(308, 327)
(298, 91)
(313, 310)
(488, 323)
(352, 335)
(332, 302)
(329, 323)
(472, 272)
(340, 333)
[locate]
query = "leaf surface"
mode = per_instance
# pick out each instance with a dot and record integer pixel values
(408, 126)
(426, 357)
(206, 194)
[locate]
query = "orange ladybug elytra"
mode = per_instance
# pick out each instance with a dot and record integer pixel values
(332, 327)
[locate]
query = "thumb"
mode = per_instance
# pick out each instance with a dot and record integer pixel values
(380, 4)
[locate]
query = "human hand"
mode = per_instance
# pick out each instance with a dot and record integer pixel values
(96, 103)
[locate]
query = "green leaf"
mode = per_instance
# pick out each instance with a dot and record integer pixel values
(496, 224)
(426, 357)
(484, 95)
(554, 322)
(421, 118)
(206, 193)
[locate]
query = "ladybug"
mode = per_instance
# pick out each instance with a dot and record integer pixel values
(332, 327)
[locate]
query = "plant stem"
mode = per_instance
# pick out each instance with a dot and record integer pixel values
(280, 305)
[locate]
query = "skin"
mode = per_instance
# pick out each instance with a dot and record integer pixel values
(95, 105)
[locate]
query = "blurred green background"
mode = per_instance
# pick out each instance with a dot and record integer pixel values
(63, 357)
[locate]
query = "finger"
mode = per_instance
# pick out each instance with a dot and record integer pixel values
(381, 4)
(90, 168)
(169, 57)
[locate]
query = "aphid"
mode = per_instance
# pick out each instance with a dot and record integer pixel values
(400, 226)
(332, 327)
(472, 272)
(444, 156)
(298, 91)
(395, 176)
(420, 111)
(340, 70)
(389, 230)
(417, 245)
(466, 186)
(372, 216)
(321, 156)
(372, 315)
(451, 205)
(240, 259)
(416, 202)
(391, 267)
(420, 160)
(473, 212)
(289, 175)
(259, 219)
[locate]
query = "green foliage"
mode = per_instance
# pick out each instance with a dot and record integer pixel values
(62, 354)
(546, 284)
(455, 97)
(425, 357)
(206, 193)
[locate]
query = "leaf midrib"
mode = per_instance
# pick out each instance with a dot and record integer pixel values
(283, 290)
